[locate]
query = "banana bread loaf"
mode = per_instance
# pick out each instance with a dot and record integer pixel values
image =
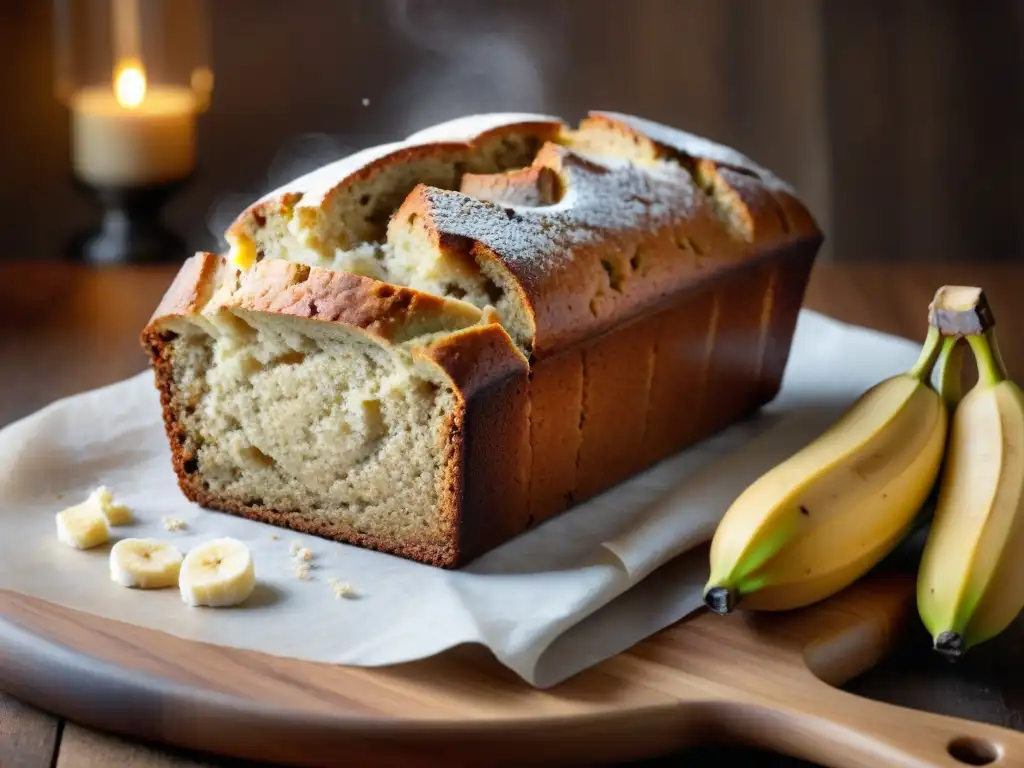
(430, 346)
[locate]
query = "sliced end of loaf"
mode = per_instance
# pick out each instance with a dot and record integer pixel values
(347, 428)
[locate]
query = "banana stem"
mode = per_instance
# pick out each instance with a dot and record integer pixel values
(926, 360)
(948, 369)
(991, 368)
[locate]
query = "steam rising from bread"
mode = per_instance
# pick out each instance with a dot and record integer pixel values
(474, 66)
(464, 62)
(298, 156)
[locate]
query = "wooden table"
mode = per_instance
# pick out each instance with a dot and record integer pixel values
(65, 328)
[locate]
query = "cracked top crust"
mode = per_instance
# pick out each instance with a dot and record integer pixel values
(562, 233)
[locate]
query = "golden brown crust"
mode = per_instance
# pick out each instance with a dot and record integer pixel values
(760, 210)
(617, 371)
(792, 273)
(666, 382)
(620, 238)
(683, 345)
(191, 287)
(386, 311)
(495, 465)
(735, 366)
(534, 186)
(556, 401)
(489, 439)
(475, 358)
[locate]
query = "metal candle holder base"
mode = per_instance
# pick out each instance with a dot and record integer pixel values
(130, 230)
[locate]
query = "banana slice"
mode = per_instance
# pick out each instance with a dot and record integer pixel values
(82, 526)
(219, 573)
(144, 563)
(116, 514)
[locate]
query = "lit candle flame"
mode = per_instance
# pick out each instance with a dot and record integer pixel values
(130, 84)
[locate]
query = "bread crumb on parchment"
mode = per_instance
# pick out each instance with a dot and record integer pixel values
(342, 589)
(173, 524)
(301, 557)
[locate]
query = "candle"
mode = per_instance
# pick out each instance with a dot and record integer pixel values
(129, 135)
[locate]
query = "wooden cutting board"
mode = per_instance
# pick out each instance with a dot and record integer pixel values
(765, 680)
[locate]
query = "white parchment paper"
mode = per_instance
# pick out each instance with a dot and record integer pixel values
(549, 604)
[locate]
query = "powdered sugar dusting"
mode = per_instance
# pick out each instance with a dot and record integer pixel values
(523, 240)
(604, 194)
(697, 146)
(316, 185)
(598, 201)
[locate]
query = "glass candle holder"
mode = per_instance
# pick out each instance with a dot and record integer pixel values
(134, 75)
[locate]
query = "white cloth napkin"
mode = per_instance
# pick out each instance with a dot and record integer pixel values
(549, 604)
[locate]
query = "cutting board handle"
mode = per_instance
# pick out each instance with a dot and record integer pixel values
(843, 730)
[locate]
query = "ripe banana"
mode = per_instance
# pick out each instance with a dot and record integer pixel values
(219, 573)
(83, 526)
(144, 563)
(825, 516)
(971, 576)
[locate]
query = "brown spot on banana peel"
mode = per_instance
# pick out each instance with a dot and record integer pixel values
(959, 310)
(804, 511)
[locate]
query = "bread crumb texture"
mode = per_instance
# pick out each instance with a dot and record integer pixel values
(284, 413)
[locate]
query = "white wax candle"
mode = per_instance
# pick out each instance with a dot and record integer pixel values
(152, 143)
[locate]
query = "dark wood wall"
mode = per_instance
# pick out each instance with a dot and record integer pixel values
(898, 120)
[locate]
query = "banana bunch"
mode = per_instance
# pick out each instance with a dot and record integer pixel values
(971, 577)
(820, 520)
